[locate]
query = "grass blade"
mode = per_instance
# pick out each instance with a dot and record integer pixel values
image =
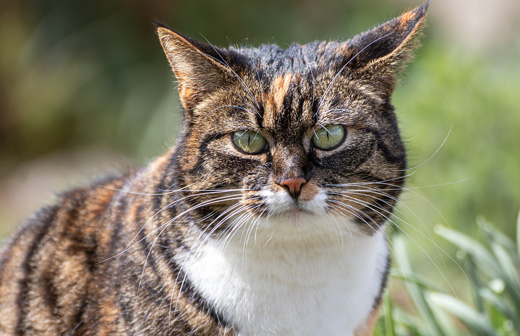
(502, 306)
(518, 233)
(415, 291)
(480, 255)
(475, 321)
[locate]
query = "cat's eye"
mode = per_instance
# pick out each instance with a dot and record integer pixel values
(329, 137)
(249, 142)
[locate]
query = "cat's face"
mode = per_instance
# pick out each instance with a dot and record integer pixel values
(288, 135)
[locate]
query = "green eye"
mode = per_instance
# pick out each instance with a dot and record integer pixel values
(249, 142)
(328, 138)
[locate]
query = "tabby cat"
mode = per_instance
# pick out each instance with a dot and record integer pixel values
(267, 218)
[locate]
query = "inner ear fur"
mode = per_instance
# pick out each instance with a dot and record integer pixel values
(200, 68)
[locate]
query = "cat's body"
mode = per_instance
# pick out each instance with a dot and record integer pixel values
(266, 219)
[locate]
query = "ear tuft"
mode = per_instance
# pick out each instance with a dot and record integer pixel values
(159, 24)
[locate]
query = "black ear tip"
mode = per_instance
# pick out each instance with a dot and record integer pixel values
(414, 16)
(158, 24)
(424, 7)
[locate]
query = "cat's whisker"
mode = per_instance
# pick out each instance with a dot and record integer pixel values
(219, 220)
(229, 213)
(369, 192)
(353, 211)
(323, 127)
(183, 189)
(433, 155)
(226, 236)
(405, 189)
(407, 221)
(334, 220)
(360, 183)
(256, 223)
(164, 226)
(238, 225)
(166, 192)
(177, 201)
(388, 218)
(387, 213)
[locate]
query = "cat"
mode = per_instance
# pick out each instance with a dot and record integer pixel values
(267, 217)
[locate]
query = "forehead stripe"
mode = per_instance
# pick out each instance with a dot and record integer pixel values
(278, 91)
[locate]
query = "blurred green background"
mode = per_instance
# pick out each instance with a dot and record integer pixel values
(85, 90)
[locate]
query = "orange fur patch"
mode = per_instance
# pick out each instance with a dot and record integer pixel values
(186, 93)
(410, 15)
(277, 93)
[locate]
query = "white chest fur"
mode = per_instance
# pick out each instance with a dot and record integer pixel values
(303, 287)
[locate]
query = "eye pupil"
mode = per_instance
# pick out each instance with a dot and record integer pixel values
(249, 142)
(328, 137)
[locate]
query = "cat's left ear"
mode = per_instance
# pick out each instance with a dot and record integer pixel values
(200, 68)
(389, 46)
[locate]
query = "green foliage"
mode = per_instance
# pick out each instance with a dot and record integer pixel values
(491, 268)
(462, 108)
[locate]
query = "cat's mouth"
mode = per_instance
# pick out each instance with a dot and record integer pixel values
(281, 204)
(297, 209)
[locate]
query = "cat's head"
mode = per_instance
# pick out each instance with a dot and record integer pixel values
(295, 135)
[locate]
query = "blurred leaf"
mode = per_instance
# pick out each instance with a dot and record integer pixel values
(445, 320)
(414, 278)
(389, 327)
(416, 292)
(475, 321)
(483, 259)
(496, 236)
(502, 306)
(518, 233)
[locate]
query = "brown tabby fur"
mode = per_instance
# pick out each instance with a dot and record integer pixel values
(100, 261)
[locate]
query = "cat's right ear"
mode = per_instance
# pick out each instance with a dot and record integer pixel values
(200, 68)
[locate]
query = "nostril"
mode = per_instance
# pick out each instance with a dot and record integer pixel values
(294, 185)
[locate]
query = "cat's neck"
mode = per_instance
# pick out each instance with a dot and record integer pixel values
(290, 287)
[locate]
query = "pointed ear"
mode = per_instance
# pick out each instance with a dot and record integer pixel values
(390, 45)
(197, 66)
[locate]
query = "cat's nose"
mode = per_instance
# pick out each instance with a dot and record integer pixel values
(293, 185)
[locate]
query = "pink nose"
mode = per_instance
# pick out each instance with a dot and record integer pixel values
(294, 185)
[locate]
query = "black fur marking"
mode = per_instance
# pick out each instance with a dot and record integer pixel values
(6, 252)
(146, 250)
(43, 222)
(50, 294)
(116, 233)
(391, 157)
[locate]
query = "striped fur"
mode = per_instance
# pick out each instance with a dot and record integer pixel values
(123, 256)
